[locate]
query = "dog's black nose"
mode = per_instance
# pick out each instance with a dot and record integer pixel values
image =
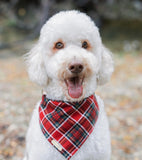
(76, 67)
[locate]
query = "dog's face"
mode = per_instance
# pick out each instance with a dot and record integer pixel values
(70, 57)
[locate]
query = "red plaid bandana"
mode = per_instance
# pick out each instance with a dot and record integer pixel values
(68, 125)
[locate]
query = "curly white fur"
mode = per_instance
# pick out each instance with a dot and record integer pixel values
(49, 68)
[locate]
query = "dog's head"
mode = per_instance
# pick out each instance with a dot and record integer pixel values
(69, 59)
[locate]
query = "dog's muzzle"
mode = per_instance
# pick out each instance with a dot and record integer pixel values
(75, 81)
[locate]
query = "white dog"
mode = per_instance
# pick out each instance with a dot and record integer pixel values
(69, 62)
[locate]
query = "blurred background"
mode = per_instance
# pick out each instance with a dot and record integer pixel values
(120, 25)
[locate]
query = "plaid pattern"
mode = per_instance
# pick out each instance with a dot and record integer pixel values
(68, 125)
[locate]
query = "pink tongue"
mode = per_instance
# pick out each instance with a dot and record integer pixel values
(75, 90)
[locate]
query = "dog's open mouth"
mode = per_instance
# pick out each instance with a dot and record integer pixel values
(75, 86)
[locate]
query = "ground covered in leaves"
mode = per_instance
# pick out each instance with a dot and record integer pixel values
(122, 97)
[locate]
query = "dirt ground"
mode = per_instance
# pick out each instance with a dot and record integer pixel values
(122, 98)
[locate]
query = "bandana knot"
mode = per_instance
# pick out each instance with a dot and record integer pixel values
(68, 125)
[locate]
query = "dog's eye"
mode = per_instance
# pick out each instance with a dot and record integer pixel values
(59, 45)
(85, 45)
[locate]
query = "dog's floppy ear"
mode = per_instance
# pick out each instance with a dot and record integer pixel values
(35, 65)
(106, 67)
